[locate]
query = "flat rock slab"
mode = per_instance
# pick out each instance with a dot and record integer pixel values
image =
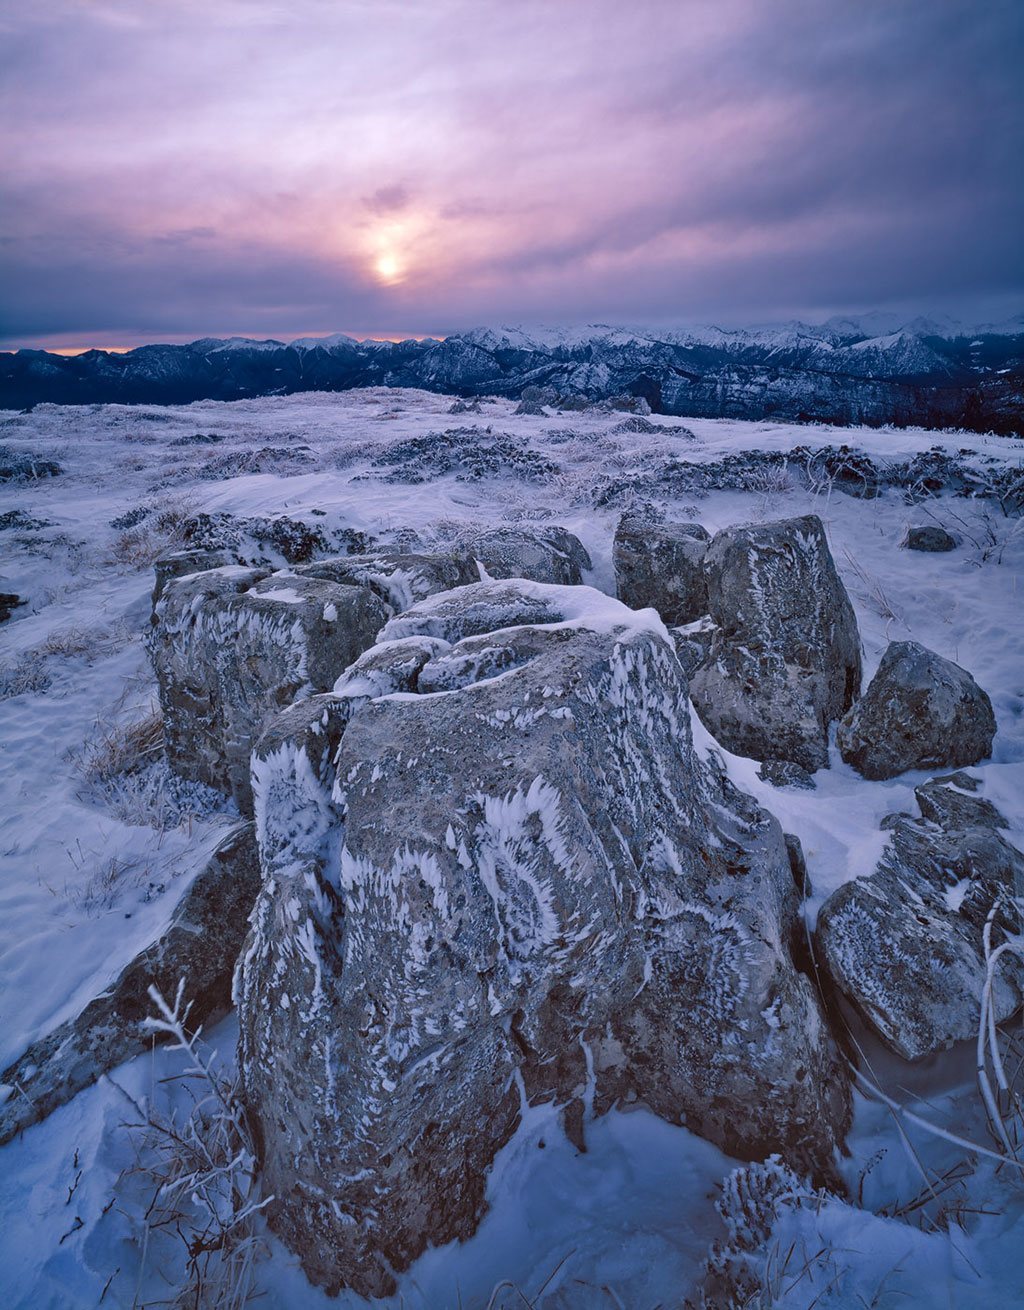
(200, 946)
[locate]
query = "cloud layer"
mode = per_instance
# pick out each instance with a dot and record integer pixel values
(399, 166)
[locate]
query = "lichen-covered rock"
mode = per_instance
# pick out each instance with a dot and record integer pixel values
(232, 647)
(929, 538)
(904, 946)
(661, 565)
(200, 946)
(401, 579)
(785, 661)
(541, 554)
(494, 868)
(920, 711)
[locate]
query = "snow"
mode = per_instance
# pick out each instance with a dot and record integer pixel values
(635, 1214)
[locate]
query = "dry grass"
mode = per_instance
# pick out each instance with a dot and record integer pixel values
(111, 752)
(199, 1171)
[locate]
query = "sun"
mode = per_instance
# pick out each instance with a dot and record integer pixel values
(388, 268)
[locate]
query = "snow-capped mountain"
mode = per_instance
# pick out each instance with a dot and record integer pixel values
(874, 368)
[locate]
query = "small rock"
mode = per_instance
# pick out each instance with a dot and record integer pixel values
(784, 773)
(950, 802)
(928, 538)
(9, 602)
(920, 711)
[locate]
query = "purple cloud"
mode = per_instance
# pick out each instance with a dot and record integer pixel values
(245, 166)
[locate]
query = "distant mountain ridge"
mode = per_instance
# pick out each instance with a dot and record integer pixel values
(874, 369)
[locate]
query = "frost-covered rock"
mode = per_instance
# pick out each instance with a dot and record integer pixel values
(180, 563)
(200, 946)
(494, 868)
(920, 711)
(399, 578)
(904, 946)
(661, 565)
(785, 661)
(929, 538)
(542, 554)
(231, 647)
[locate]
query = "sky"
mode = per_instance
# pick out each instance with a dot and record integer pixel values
(171, 169)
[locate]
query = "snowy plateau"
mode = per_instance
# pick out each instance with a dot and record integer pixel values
(117, 1197)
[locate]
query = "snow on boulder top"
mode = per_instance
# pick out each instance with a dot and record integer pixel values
(516, 602)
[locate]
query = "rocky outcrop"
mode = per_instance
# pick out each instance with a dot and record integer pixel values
(920, 711)
(200, 946)
(543, 555)
(495, 870)
(785, 660)
(929, 538)
(661, 565)
(232, 647)
(904, 946)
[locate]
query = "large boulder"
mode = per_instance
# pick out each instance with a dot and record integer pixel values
(920, 711)
(661, 565)
(231, 647)
(495, 872)
(549, 554)
(198, 948)
(785, 661)
(905, 945)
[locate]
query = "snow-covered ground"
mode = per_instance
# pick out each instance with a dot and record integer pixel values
(85, 878)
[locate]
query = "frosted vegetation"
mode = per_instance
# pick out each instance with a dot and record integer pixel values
(143, 1189)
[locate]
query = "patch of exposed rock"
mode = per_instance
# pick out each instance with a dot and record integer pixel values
(785, 658)
(904, 946)
(920, 711)
(200, 946)
(494, 868)
(661, 565)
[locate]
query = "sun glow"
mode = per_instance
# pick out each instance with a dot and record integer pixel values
(388, 268)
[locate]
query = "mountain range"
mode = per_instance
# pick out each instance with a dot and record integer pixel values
(874, 369)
